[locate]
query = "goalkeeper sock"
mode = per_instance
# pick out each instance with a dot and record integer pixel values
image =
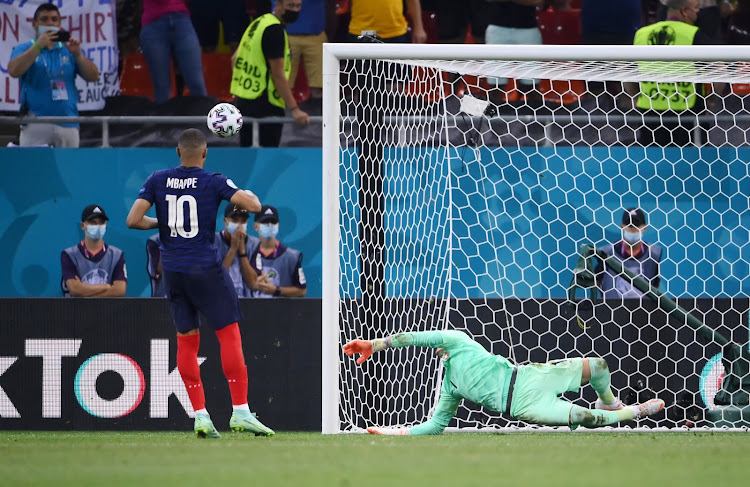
(190, 370)
(600, 380)
(594, 418)
(233, 362)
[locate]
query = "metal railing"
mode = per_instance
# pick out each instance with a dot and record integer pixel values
(106, 121)
(633, 120)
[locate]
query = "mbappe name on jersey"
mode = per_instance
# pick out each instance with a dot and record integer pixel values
(177, 183)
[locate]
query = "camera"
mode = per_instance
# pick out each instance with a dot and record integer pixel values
(62, 36)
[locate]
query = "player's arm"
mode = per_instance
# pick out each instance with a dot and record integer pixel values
(137, 217)
(249, 276)
(444, 412)
(80, 289)
(119, 280)
(247, 200)
(116, 290)
(432, 339)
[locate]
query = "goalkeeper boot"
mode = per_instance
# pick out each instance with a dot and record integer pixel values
(204, 428)
(648, 408)
(246, 421)
(615, 405)
(388, 431)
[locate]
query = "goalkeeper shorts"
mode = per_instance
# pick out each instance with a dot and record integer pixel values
(535, 398)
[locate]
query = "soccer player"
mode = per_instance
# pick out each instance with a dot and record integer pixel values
(527, 392)
(187, 199)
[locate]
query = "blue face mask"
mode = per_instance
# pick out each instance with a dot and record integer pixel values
(232, 226)
(631, 237)
(268, 230)
(96, 232)
(45, 28)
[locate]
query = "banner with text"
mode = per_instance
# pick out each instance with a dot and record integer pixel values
(90, 21)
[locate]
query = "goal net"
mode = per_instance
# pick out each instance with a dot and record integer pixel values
(460, 183)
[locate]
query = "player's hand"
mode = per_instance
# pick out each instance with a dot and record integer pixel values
(363, 347)
(388, 431)
(74, 46)
(264, 285)
(300, 116)
(47, 40)
(238, 239)
(418, 36)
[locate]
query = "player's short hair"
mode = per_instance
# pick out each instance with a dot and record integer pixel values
(191, 139)
(45, 7)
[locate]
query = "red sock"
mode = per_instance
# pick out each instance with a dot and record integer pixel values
(233, 362)
(190, 370)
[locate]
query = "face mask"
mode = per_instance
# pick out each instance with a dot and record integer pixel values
(631, 237)
(268, 230)
(45, 28)
(232, 226)
(96, 232)
(290, 16)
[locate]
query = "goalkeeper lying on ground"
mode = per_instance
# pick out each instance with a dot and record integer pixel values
(527, 392)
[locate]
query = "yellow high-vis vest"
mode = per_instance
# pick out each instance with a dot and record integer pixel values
(666, 96)
(251, 75)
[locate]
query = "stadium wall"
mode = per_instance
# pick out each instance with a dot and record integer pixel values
(532, 192)
(109, 364)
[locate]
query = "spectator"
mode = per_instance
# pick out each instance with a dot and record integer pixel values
(636, 255)
(166, 30)
(610, 23)
(387, 18)
(279, 268)
(93, 268)
(712, 16)
(306, 38)
(234, 247)
(128, 26)
(739, 24)
(153, 266)
(48, 68)
(208, 14)
(265, 47)
(681, 99)
(513, 22)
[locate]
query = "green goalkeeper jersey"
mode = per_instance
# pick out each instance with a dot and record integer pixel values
(471, 372)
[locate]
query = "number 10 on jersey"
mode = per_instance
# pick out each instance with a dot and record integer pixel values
(176, 218)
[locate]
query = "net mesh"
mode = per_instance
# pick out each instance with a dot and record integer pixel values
(467, 189)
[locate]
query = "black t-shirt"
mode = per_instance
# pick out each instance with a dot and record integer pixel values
(703, 39)
(273, 42)
(509, 14)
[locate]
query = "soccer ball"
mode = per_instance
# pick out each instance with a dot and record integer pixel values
(224, 120)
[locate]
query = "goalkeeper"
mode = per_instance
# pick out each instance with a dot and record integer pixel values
(527, 392)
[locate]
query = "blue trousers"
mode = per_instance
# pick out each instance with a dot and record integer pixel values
(173, 35)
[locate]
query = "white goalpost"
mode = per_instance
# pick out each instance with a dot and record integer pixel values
(460, 183)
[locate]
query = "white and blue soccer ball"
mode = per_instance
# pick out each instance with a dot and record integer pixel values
(224, 120)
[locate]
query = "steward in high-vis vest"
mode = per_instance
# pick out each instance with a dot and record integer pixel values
(260, 74)
(679, 97)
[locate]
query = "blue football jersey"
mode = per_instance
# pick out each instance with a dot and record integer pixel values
(187, 200)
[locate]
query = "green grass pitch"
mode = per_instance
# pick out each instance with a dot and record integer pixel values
(311, 459)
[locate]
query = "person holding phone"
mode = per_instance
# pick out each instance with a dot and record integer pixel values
(47, 67)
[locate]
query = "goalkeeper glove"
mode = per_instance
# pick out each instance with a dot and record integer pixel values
(365, 348)
(389, 431)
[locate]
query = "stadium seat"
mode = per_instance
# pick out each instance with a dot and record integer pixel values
(741, 89)
(217, 72)
(560, 27)
(135, 79)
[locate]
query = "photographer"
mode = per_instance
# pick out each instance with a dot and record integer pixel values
(48, 66)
